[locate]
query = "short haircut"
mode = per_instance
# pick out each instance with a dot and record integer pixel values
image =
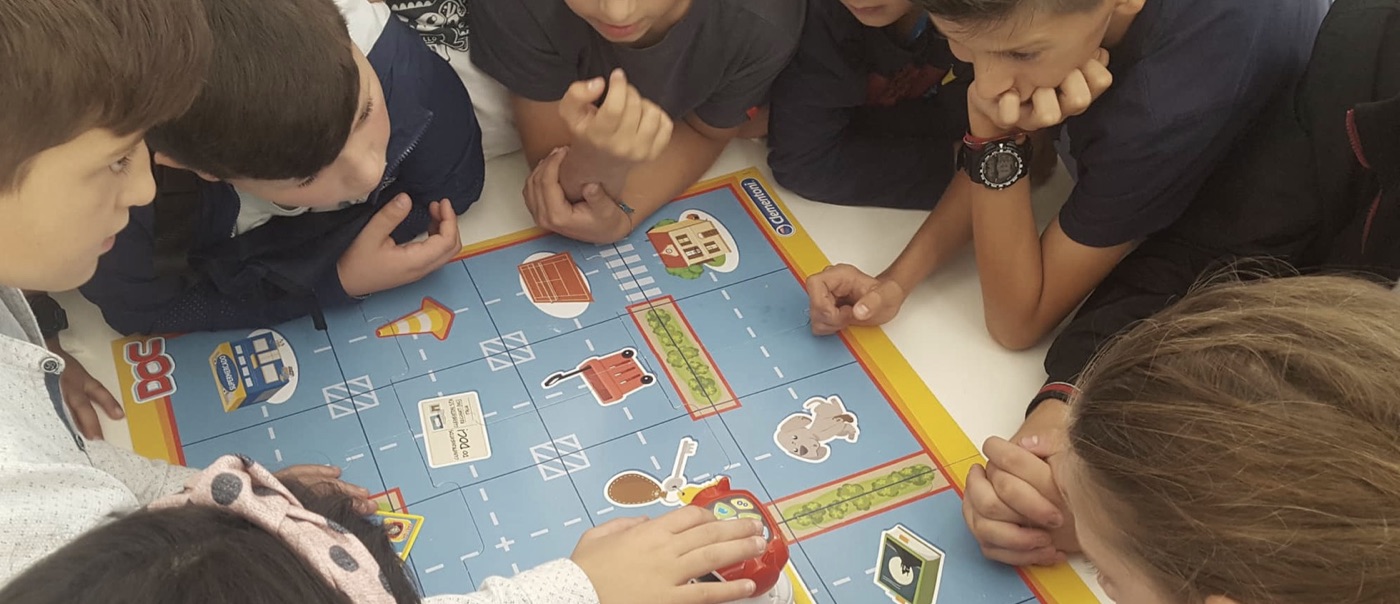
(202, 554)
(992, 11)
(282, 91)
(69, 66)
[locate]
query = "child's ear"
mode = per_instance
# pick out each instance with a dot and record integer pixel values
(1128, 7)
(166, 160)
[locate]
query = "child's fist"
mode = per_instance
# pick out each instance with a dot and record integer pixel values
(627, 127)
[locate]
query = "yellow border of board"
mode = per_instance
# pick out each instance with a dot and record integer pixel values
(153, 436)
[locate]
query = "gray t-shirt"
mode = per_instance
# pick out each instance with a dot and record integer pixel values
(717, 61)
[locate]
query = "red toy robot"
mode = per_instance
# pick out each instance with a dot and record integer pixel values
(728, 504)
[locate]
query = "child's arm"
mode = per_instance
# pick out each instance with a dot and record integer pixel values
(148, 479)
(134, 299)
(636, 561)
(644, 186)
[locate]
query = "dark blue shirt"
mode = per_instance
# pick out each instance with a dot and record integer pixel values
(867, 116)
(1189, 77)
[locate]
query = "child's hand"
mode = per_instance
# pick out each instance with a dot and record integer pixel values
(627, 127)
(1047, 107)
(319, 476)
(842, 296)
(1013, 506)
(82, 392)
(375, 263)
(642, 561)
(596, 219)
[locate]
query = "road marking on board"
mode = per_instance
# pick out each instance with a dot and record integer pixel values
(473, 469)
(278, 454)
(840, 582)
(514, 568)
(587, 274)
(702, 478)
(869, 571)
(588, 343)
(432, 377)
(764, 350)
(492, 301)
(359, 339)
(792, 392)
(264, 410)
(422, 354)
(778, 371)
(519, 405)
(725, 293)
(656, 465)
(628, 413)
(751, 333)
(388, 446)
(573, 522)
(641, 438)
(483, 495)
(763, 457)
(606, 510)
(732, 466)
(505, 544)
(462, 310)
(495, 521)
(433, 569)
(714, 277)
(737, 313)
(355, 457)
(466, 557)
(539, 532)
(321, 349)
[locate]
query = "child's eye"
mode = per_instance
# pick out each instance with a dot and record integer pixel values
(306, 183)
(120, 166)
(1024, 57)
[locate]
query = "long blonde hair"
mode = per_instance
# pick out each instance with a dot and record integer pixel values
(1247, 441)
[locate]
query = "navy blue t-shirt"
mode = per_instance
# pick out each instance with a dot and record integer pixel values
(867, 116)
(1189, 77)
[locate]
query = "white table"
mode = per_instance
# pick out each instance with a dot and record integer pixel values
(940, 329)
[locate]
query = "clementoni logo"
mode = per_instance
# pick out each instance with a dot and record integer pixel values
(225, 371)
(152, 370)
(777, 220)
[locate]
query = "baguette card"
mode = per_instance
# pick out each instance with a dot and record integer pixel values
(454, 430)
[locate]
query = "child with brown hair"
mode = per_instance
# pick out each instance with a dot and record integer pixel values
(237, 534)
(1243, 447)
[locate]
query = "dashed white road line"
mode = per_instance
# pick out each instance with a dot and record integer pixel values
(763, 457)
(359, 339)
(737, 313)
(433, 569)
(539, 532)
(778, 371)
(841, 581)
(388, 446)
(751, 333)
(572, 522)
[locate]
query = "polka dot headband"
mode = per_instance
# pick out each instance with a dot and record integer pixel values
(244, 488)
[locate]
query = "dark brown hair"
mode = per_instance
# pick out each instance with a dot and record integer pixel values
(994, 11)
(1247, 442)
(69, 66)
(282, 91)
(200, 554)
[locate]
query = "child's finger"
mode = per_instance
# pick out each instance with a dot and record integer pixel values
(631, 121)
(879, 305)
(710, 533)
(649, 127)
(576, 108)
(1045, 109)
(1074, 94)
(99, 396)
(684, 519)
(712, 557)
(1097, 76)
(714, 592)
(1008, 110)
(610, 114)
(388, 218)
(981, 501)
(662, 137)
(84, 416)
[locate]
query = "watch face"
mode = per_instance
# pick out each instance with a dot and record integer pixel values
(1001, 167)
